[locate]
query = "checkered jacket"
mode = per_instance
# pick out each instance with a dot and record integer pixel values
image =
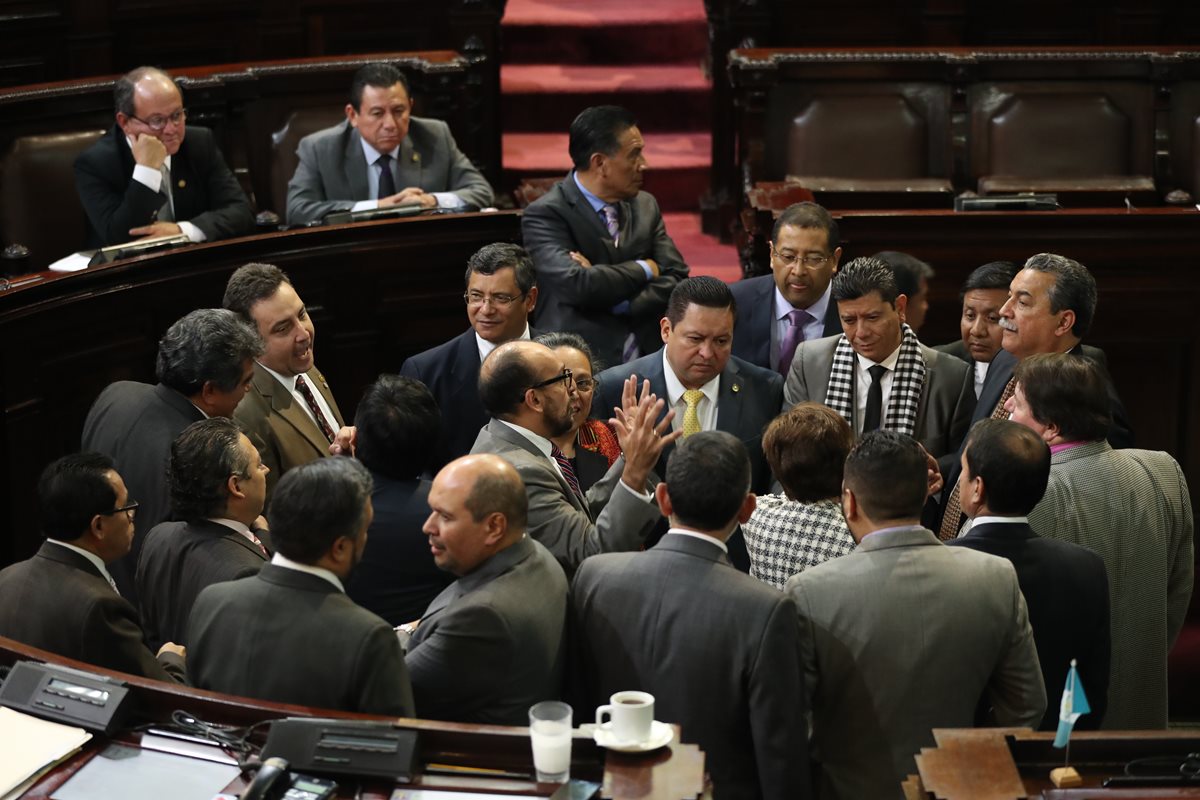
(785, 537)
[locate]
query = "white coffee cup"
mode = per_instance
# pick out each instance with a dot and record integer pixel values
(631, 715)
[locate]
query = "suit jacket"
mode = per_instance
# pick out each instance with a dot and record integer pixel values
(397, 577)
(204, 191)
(60, 602)
(292, 637)
(748, 399)
(491, 644)
(1066, 591)
(178, 560)
(557, 518)
(947, 398)
(134, 425)
(573, 298)
(451, 371)
(866, 723)
(1133, 508)
(332, 173)
(756, 319)
(285, 435)
(718, 649)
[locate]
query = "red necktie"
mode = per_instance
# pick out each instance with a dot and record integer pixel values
(306, 393)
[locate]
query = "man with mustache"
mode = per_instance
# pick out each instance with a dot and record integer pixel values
(154, 175)
(707, 387)
(605, 263)
(289, 412)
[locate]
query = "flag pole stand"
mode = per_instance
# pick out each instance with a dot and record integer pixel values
(1065, 778)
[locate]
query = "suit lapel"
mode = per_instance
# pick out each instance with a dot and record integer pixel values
(501, 431)
(355, 165)
(225, 532)
(465, 374)
(729, 404)
(408, 166)
(591, 220)
(281, 403)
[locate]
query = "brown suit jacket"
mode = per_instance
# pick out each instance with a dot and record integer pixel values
(281, 429)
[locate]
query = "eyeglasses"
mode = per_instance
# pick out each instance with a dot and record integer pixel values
(497, 300)
(129, 508)
(809, 260)
(159, 123)
(565, 375)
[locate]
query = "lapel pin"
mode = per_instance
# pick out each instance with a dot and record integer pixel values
(737, 387)
(416, 157)
(182, 183)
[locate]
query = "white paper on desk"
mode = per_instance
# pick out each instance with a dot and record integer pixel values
(131, 773)
(31, 745)
(72, 263)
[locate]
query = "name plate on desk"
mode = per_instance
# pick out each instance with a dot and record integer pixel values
(336, 747)
(390, 212)
(66, 695)
(137, 248)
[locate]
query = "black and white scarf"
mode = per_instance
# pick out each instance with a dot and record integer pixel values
(905, 397)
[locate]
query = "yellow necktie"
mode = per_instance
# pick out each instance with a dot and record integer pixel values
(691, 419)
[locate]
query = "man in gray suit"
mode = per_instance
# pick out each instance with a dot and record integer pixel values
(933, 628)
(876, 374)
(361, 163)
(218, 485)
(719, 650)
(1130, 506)
(531, 397)
(290, 634)
(605, 263)
(490, 645)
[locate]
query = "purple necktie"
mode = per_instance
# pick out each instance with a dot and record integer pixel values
(568, 471)
(797, 319)
(610, 220)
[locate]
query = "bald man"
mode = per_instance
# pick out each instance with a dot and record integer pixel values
(152, 175)
(491, 644)
(531, 397)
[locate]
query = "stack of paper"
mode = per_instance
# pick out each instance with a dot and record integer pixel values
(32, 747)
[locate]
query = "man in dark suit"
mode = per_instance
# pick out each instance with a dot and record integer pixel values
(295, 614)
(490, 645)
(397, 425)
(719, 650)
(983, 295)
(63, 599)
(205, 363)
(605, 263)
(1050, 307)
(531, 397)
(501, 293)
(153, 176)
(1005, 467)
(706, 387)
(905, 635)
(289, 412)
(218, 485)
(361, 163)
(877, 374)
(793, 303)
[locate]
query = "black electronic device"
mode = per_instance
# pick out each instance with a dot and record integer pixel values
(139, 248)
(1007, 202)
(343, 747)
(62, 694)
(402, 210)
(274, 781)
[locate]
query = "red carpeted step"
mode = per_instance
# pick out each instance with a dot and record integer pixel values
(546, 97)
(624, 43)
(705, 255)
(601, 12)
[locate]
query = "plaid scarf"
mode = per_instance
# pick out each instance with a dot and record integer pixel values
(907, 383)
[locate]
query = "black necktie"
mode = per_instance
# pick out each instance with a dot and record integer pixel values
(387, 184)
(874, 399)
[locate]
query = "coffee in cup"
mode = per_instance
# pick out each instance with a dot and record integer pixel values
(631, 715)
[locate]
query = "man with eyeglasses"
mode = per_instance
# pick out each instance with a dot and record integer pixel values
(63, 599)
(501, 293)
(791, 305)
(153, 175)
(531, 397)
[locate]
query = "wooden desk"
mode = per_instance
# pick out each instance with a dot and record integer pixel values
(377, 292)
(671, 773)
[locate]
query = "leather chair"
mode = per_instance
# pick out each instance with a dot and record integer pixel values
(39, 206)
(286, 139)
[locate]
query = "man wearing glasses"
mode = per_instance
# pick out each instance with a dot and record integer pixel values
(152, 175)
(791, 305)
(63, 599)
(501, 293)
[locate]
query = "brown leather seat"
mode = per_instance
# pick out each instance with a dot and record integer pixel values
(39, 206)
(300, 123)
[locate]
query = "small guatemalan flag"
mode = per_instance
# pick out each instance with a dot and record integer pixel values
(1074, 705)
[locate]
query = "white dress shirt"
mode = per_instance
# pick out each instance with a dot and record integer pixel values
(486, 347)
(96, 561)
(704, 537)
(981, 369)
(706, 410)
(280, 560)
(374, 171)
(862, 384)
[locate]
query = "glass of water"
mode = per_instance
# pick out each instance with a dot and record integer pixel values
(550, 733)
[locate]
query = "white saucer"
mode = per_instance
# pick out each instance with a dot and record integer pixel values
(661, 735)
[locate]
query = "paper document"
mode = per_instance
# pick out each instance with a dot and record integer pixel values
(32, 745)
